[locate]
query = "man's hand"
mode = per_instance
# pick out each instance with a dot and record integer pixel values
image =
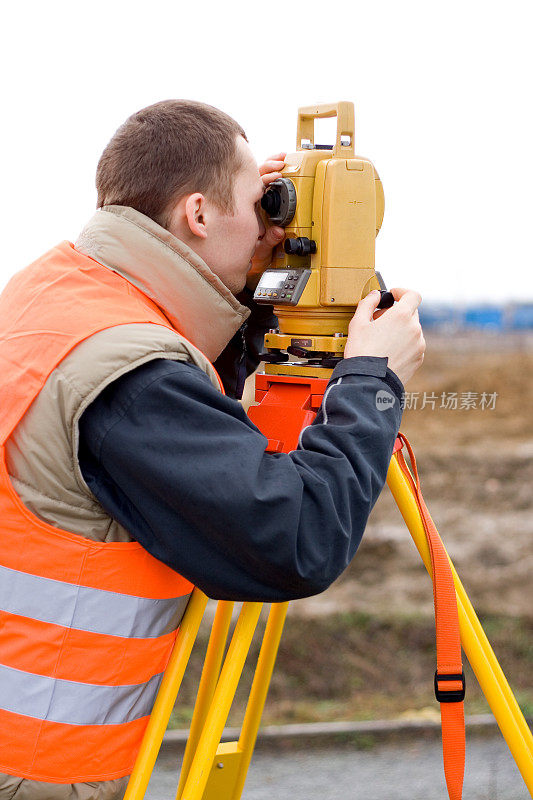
(269, 171)
(394, 332)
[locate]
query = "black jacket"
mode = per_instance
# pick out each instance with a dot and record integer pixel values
(183, 469)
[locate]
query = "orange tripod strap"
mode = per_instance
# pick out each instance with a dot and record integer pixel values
(449, 677)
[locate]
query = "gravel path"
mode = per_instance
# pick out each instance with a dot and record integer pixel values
(386, 772)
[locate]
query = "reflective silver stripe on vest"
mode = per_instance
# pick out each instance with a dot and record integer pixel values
(74, 703)
(86, 609)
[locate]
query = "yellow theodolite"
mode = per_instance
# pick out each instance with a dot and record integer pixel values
(331, 204)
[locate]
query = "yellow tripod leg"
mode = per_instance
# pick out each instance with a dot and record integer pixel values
(475, 644)
(259, 690)
(166, 697)
(232, 757)
(217, 715)
(208, 682)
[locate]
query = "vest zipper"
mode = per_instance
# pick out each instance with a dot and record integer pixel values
(241, 370)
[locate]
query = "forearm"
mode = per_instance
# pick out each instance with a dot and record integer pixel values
(340, 465)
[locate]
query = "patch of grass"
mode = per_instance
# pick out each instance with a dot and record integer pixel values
(352, 666)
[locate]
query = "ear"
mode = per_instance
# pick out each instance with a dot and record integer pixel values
(194, 210)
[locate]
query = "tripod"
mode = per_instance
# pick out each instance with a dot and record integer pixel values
(217, 771)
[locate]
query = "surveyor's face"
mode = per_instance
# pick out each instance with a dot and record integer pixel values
(234, 237)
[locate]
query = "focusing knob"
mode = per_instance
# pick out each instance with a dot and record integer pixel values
(302, 246)
(387, 299)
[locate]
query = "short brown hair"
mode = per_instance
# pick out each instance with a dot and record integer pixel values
(166, 151)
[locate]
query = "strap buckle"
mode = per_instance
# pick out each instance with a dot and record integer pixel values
(450, 695)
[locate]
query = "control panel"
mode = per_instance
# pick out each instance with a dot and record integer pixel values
(281, 286)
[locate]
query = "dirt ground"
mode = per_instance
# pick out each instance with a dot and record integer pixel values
(476, 468)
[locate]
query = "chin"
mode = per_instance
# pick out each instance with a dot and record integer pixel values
(235, 286)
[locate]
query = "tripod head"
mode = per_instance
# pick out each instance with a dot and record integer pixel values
(331, 204)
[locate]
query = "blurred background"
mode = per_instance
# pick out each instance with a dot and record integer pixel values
(440, 93)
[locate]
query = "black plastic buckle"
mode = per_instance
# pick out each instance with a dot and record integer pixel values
(450, 695)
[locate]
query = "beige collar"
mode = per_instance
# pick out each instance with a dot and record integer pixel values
(172, 275)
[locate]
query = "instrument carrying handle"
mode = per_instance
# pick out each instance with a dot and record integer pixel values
(343, 110)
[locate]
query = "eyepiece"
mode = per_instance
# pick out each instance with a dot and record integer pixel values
(271, 202)
(279, 201)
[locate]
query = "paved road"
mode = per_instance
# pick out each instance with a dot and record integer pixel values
(387, 772)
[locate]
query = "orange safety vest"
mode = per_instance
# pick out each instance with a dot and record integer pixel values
(86, 628)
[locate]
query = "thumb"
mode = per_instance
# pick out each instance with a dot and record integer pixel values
(275, 234)
(366, 307)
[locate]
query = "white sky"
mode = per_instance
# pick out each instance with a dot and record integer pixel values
(442, 94)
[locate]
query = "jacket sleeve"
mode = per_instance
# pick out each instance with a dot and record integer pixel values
(185, 471)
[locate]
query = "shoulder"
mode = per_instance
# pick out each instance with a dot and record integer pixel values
(159, 377)
(158, 401)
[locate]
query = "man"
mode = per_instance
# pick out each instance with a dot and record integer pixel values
(130, 476)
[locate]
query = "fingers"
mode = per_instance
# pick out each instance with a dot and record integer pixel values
(269, 177)
(263, 252)
(273, 164)
(367, 306)
(273, 235)
(398, 292)
(407, 299)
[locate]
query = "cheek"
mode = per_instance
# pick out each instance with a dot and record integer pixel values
(241, 230)
(255, 223)
(247, 229)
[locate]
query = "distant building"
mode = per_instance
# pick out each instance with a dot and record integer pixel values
(486, 317)
(520, 316)
(449, 318)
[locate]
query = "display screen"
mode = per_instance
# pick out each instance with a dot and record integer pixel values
(273, 281)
